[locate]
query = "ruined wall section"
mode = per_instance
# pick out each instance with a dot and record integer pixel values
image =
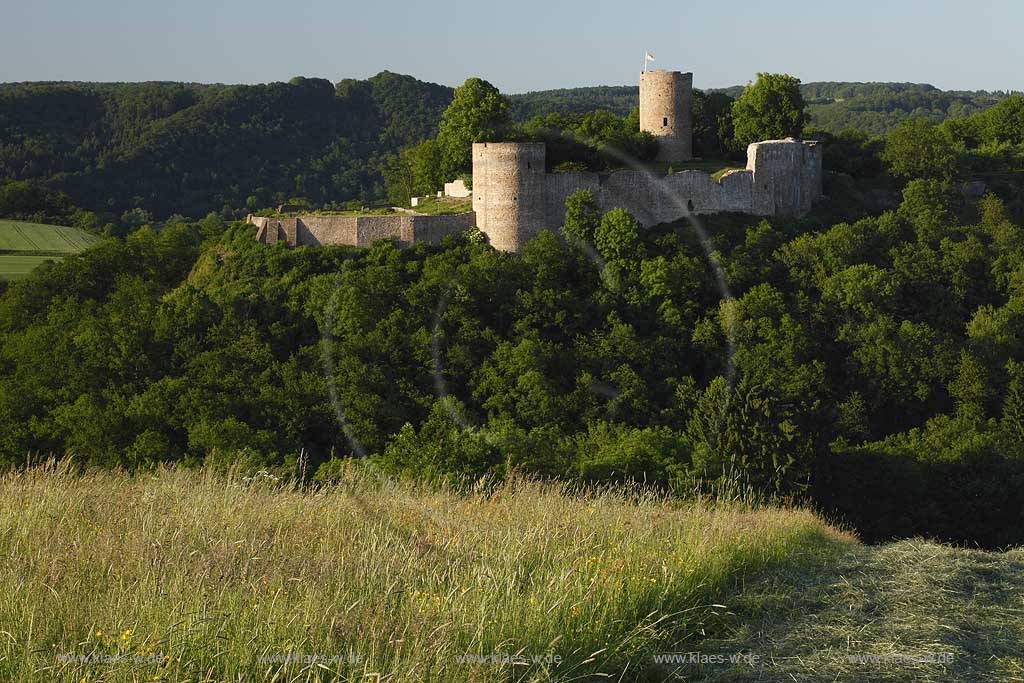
(261, 223)
(315, 230)
(789, 172)
(359, 231)
(665, 112)
(509, 189)
(433, 229)
(656, 199)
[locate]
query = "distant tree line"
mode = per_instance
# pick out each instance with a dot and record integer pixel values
(870, 108)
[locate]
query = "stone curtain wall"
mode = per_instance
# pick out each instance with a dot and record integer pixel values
(433, 229)
(665, 105)
(327, 230)
(359, 231)
(558, 187)
(657, 199)
(783, 177)
(789, 171)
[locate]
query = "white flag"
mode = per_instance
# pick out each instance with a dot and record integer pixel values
(648, 55)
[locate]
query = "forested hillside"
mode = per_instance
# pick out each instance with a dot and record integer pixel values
(169, 148)
(877, 108)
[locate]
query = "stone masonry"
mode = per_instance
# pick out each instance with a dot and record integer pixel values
(665, 106)
(359, 231)
(508, 192)
(514, 199)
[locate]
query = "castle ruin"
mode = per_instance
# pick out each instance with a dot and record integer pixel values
(514, 197)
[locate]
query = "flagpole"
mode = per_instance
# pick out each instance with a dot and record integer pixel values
(645, 60)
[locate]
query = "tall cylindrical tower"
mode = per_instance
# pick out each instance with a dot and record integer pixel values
(508, 192)
(665, 99)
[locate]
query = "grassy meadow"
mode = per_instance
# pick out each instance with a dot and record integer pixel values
(24, 246)
(186, 575)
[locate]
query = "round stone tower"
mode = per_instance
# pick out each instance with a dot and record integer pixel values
(508, 192)
(665, 99)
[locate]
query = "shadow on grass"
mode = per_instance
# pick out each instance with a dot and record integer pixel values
(909, 611)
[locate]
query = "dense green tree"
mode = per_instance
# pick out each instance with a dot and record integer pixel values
(477, 113)
(617, 452)
(1005, 121)
(582, 217)
(712, 124)
(925, 207)
(1012, 419)
(745, 436)
(769, 109)
(617, 236)
(414, 172)
(920, 149)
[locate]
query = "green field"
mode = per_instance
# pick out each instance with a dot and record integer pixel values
(23, 246)
(17, 266)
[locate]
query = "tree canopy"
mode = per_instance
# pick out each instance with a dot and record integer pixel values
(769, 109)
(477, 113)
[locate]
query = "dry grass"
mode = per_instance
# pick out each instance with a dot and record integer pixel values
(907, 611)
(197, 576)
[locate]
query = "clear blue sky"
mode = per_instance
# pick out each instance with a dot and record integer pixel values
(519, 45)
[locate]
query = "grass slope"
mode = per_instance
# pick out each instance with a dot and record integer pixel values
(193, 575)
(24, 246)
(185, 575)
(907, 611)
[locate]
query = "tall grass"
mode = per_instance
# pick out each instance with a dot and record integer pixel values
(194, 575)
